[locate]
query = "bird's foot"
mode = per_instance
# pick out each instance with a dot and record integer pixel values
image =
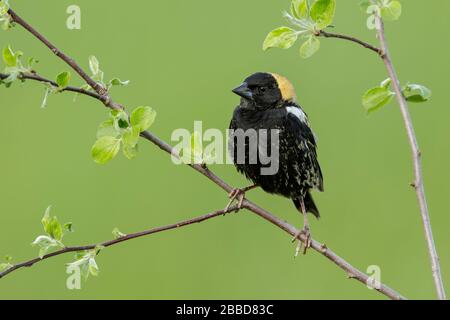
(236, 194)
(306, 243)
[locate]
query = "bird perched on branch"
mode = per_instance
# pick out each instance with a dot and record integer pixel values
(270, 123)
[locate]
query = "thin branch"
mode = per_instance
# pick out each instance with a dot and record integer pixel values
(416, 156)
(103, 93)
(30, 263)
(351, 271)
(352, 39)
(36, 77)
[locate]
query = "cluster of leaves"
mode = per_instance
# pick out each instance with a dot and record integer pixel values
(381, 95)
(62, 80)
(119, 131)
(14, 66)
(5, 18)
(98, 76)
(377, 97)
(85, 262)
(308, 20)
(52, 239)
(389, 10)
(54, 233)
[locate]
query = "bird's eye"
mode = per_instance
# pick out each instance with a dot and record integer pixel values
(262, 89)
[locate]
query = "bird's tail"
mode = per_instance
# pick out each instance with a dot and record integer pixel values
(310, 206)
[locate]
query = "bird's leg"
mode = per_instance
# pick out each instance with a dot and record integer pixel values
(305, 231)
(238, 194)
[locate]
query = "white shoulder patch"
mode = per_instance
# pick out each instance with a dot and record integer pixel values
(298, 113)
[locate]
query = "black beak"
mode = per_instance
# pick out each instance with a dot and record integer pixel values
(243, 91)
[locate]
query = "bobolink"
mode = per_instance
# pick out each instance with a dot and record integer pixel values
(268, 102)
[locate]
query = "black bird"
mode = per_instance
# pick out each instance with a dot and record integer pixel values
(268, 102)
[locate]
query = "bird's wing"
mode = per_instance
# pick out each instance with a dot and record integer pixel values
(297, 124)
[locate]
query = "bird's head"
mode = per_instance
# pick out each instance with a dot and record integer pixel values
(266, 90)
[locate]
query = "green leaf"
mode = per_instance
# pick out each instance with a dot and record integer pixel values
(117, 234)
(31, 62)
(68, 226)
(131, 136)
(9, 57)
(122, 123)
(93, 267)
(45, 243)
(416, 93)
(105, 149)
(130, 140)
(283, 38)
(46, 218)
(5, 266)
(8, 258)
(373, 9)
(309, 47)
(392, 11)
(118, 82)
(94, 65)
(376, 98)
(142, 118)
(300, 9)
(322, 13)
(55, 229)
(63, 79)
(107, 129)
(120, 120)
(386, 83)
(52, 226)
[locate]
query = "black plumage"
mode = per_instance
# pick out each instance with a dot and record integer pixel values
(268, 101)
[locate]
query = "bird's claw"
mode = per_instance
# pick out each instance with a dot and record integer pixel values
(305, 244)
(238, 194)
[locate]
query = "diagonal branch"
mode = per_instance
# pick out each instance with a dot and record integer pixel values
(416, 156)
(104, 97)
(30, 263)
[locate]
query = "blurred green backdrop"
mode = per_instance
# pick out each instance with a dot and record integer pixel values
(183, 58)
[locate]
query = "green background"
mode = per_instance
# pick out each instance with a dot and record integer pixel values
(183, 58)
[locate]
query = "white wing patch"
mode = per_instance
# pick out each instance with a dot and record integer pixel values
(298, 113)
(301, 116)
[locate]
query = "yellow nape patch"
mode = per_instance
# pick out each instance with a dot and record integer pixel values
(286, 88)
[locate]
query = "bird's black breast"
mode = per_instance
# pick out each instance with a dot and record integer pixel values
(298, 168)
